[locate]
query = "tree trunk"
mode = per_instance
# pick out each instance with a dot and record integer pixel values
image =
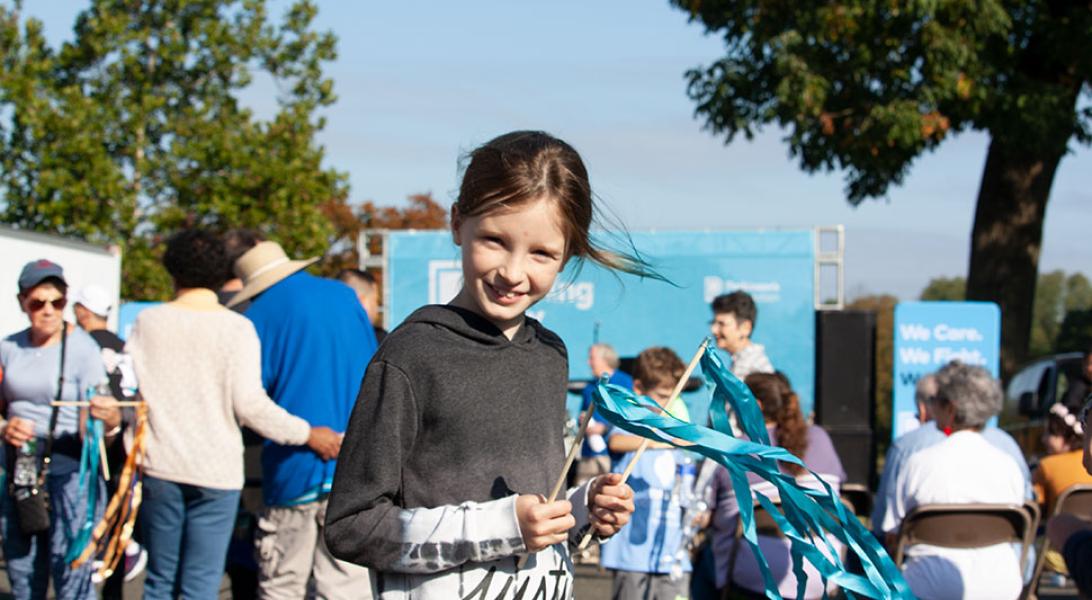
(1007, 237)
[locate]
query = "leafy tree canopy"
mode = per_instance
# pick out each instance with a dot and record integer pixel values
(135, 127)
(869, 86)
(866, 87)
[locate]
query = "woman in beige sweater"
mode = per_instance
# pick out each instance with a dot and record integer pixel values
(199, 369)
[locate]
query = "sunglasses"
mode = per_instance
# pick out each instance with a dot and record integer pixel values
(36, 305)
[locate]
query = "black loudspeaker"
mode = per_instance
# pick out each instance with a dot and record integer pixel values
(856, 447)
(845, 369)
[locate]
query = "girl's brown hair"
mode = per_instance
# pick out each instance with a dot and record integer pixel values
(1056, 425)
(522, 166)
(781, 405)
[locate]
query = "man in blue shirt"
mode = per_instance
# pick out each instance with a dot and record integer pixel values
(317, 341)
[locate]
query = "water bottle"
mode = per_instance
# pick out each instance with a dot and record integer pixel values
(101, 389)
(683, 493)
(685, 472)
(25, 473)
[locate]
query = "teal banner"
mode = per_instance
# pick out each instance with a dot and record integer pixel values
(929, 335)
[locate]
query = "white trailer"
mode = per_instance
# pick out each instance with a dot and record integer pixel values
(83, 264)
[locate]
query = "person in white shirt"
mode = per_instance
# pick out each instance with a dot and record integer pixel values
(964, 468)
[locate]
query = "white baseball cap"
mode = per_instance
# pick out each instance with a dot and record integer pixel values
(94, 299)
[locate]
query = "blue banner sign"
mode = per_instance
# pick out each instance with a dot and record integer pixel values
(127, 315)
(929, 335)
(591, 303)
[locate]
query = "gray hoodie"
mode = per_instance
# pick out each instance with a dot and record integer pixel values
(453, 420)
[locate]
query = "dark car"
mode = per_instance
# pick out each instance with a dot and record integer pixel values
(1030, 394)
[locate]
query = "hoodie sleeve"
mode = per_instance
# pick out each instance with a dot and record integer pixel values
(365, 523)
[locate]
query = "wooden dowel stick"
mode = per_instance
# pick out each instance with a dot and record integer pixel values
(102, 459)
(86, 403)
(644, 444)
(573, 450)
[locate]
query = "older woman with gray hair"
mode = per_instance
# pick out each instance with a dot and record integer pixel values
(964, 468)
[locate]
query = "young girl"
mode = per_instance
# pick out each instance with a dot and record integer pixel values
(457, 432)
(1061, 468)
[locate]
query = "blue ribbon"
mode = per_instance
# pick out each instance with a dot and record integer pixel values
(805, 515)
(88, 481)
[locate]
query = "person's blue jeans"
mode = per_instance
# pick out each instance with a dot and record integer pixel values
(186, 532)
(32, 560)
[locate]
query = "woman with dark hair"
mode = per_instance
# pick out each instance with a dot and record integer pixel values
(32, 361)
(199, 369)
(735, 563)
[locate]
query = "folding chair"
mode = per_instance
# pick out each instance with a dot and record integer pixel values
(967, 526)
(1077, 500)
(859, 497)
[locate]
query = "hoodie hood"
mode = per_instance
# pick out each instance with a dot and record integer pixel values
(476, 328)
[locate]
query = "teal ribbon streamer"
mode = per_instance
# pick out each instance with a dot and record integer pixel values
(804, 515)
(88, 481)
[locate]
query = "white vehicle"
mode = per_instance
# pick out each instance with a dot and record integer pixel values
(83, 264)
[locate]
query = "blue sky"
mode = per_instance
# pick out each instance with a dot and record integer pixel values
(420, 83)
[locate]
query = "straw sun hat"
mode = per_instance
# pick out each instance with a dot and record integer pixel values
(262, 266)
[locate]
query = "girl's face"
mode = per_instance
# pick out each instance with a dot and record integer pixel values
(511, 258)
(1053, 443)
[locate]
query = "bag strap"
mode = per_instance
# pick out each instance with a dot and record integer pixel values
(47, 456)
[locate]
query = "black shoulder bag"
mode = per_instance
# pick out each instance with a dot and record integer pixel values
(32, 501)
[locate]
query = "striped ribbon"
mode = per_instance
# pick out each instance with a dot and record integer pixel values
(115, 529)
(804, 516)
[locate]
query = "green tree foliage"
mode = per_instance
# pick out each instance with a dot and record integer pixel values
(867, 87)
(135, 129)
(945, 288)
(1060, 319)
(884, 307)
(1078, 292)
(1049, 311)
(1075, 333)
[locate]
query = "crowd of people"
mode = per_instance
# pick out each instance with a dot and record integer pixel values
(418, 468)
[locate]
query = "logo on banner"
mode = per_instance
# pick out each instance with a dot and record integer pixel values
(762, 291)
(580, 294)
(445, 278)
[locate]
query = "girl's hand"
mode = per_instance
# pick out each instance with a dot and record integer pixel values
(611, 504)
(104, 408)
(542, 523)
(18, 431)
